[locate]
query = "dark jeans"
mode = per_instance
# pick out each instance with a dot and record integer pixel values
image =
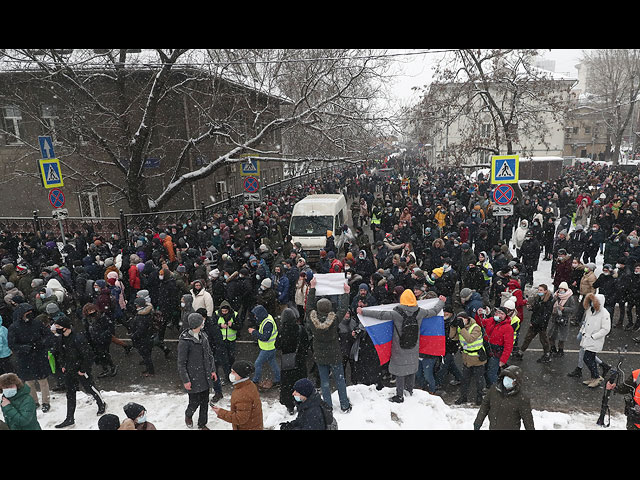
(469, 374)
(591, 363)
(72, 380)
(199, 400)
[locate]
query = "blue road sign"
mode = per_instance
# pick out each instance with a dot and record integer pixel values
(503, 194)
(250, 167)
(56, 198)
(251, 185)
(46, 147)
(504, 169)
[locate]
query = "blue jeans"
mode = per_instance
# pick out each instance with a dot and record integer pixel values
(338, 375)
(427, 367)
(266, 356)
(493, 368)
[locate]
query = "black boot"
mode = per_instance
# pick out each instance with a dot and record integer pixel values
(102, 408)
(546, 358)
(577, 373)
(68, 422)
(605, 368)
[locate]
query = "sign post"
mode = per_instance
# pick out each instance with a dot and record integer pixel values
(502, 196)
(51, 175)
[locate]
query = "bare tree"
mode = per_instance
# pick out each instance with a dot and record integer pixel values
(118, 110)
(615, 85)
(501, 98)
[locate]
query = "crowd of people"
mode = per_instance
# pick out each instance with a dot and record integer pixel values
(419, 235)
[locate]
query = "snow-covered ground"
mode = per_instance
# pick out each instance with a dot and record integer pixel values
(371, 411)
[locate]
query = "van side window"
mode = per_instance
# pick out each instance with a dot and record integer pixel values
(340, 217)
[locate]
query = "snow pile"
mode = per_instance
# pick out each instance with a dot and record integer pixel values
(371, 411)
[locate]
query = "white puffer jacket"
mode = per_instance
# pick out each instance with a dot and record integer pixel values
(595, 328)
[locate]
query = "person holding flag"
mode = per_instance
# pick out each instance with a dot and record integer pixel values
(409, 339)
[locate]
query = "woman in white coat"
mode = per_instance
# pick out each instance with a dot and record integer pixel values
(520, 234)
(595, 327)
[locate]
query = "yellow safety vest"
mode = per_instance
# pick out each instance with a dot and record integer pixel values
(271, 343)
(515, 323)
(375, 219)
(471, 348)
(228, 333)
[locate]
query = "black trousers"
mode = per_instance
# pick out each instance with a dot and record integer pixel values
(199, 400)
(72, 380)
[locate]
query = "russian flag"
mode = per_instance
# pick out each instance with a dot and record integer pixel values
(432, 333)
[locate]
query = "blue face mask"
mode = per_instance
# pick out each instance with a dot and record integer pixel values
(540, 294)
(297, 398)
(9, 392)
(507, 382)
(496, 318)
(142, 418)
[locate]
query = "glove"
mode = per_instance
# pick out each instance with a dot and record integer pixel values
(457, 322)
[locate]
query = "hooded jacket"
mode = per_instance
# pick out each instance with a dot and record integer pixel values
(195, 361)
(324, 329)
(30, 341)
(20, 413)
(506, 409)
(596, 325)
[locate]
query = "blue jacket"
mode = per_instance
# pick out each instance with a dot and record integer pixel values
(283, 288)
(5, 351)
(474, 303)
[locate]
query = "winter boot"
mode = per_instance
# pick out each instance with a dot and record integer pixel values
(46, 407)
(595, 382)
(215, 398)
(546, 358)
(517, 355)
(577, 373)
(553, 350)
(188, 421)
(102, 408)
(461, 400)
(396, 399)
(560, 352)
(68, 422)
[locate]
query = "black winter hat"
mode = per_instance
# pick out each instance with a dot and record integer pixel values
(243, 368)
(305, 387)
(133, 410)
(109, 421)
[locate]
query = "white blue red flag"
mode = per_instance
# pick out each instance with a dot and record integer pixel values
(432, 333)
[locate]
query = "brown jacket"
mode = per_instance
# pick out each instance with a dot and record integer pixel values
(586, 284)
(246, 407)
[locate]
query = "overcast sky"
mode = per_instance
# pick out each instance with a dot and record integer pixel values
(416, 70)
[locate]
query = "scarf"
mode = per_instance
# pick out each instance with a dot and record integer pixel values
(562, 299)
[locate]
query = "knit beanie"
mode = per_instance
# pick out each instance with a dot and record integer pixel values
(305, 387)
(243, 368)
(109, 421)
(194, 320)
(408, 299)
(324, 306)
(133, 410)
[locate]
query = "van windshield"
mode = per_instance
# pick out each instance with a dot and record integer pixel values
(309, 226)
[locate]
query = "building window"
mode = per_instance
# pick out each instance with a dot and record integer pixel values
(49, 118)
(587, 129)
(485, 131)
(12, 124)
(89, 204)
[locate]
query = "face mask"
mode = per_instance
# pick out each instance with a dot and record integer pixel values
(142, 418)
(496, 318)
(233, 378)
(183, 304)
(60, 331)
(507, 382)
(297, 398)
(9, 392)
(540, 294)
(161, 277)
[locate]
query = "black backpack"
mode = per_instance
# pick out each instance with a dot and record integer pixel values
(410, 329)
(329, 419)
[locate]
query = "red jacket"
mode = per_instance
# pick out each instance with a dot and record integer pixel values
(499, 335)
(134, 277)
(514, 288)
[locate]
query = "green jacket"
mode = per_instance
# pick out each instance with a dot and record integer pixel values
(20, 413)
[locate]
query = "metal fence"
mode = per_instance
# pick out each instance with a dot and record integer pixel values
(139, 221)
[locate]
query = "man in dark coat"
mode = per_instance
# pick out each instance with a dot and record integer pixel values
(197, 369)
(311, 411)
(30, 340)
(75, 360)
(505, 404)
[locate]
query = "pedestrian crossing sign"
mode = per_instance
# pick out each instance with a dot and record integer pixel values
(504, 169)
(51, 173)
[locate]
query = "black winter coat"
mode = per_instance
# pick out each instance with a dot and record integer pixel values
(310, 415)
(75, 354)
(30, 341)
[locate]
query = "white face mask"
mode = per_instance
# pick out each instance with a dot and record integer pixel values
(233, 378)
(507, 382)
